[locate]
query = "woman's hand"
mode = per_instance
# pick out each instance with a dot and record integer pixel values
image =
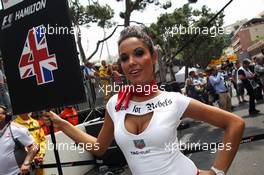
(57, 120)
(24, 169)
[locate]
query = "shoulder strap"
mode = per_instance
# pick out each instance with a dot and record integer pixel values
(11, 132)
(17, 142)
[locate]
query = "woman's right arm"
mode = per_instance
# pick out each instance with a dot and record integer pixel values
(99, 144)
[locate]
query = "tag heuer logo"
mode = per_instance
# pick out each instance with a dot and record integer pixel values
(140, 144)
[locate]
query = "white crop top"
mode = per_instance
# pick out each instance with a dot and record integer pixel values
(150, 152)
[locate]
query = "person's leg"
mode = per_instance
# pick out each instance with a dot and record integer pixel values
(251, 99)
(237, 93)
(205, 98)
(243, 98)
(258, 93)
(227, 102)
(222, 101)
(241, 91)
(239, 99)
(210, 99)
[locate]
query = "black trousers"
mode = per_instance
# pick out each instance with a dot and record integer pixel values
(252, 98)
(258, 92)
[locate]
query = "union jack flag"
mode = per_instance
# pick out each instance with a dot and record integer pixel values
(35, 59)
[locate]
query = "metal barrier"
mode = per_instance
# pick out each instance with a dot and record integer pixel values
(98, 91)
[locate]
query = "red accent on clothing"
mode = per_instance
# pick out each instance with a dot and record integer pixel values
(127, 92)
(70, 114)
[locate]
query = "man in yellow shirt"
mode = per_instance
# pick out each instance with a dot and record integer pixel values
(103, 73)
(103, 69)
(37, 134)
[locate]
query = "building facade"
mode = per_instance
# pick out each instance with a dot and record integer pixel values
(247, 40)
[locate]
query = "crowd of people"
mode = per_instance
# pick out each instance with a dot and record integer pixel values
(216, 85)
(90, 70)
(213, 86)
(105, 74)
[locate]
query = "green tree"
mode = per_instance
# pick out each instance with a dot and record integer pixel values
(208, 43)
(131, 6)
(139, 5)
(236, 27)
(84, 15)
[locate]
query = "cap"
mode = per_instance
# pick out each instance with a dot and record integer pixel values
(246, 61)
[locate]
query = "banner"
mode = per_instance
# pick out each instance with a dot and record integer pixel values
(40, 56)
(232, 58)
(9, 3)
(215, 62)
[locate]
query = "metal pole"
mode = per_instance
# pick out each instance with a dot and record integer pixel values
(2, 5)
(56, 153)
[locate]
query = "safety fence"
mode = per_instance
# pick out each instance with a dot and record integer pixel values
(98, 91)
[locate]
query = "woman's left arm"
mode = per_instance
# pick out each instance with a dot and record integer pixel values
(232, 124)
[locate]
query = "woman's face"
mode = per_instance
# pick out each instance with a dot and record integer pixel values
(136, 60)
